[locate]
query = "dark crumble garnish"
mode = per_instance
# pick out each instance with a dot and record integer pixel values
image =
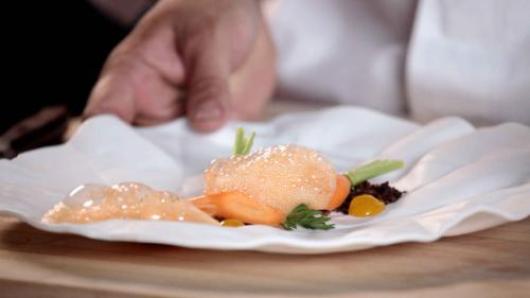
(383, 192)
(325, 212)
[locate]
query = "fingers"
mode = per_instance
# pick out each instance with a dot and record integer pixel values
(207, 49)
(208, 102)
(140, 81)
(110, 95)
(138, 95)
(167, 107)
(252, 84)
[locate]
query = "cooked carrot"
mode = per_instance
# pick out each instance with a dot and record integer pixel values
(341, 192)
(237, 205)
(206, 204)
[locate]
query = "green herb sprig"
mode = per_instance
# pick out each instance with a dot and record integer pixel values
(373, 169)
(243, 144)
(307, 218)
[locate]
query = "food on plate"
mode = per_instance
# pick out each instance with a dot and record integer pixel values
(383, 193)
(93, 202)
(233, 223)
(308, 218)
(237, 205)
(365, 205)
(279, 177)
(286, 186)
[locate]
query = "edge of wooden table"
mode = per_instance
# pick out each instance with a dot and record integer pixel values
(490, 263)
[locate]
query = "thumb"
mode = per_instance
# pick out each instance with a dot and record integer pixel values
(208, 102)
(111, 96)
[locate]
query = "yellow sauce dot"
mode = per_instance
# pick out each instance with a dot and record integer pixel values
(232, 223)
(365, 205)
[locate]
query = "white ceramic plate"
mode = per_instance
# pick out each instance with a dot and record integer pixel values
(459, 179)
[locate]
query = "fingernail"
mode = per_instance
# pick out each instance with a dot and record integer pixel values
(209, 111)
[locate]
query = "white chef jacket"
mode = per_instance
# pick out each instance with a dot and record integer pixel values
(425, 59)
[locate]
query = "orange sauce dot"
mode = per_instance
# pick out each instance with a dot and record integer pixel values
(232, 223)
(365, 205)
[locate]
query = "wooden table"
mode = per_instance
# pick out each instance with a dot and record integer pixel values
(492, 263)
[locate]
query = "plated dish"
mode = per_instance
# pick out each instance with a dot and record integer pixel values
(288, 186)
(457, 179)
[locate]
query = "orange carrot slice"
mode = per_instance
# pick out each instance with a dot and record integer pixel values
(341, 192)
(237, 205)
(206, 204)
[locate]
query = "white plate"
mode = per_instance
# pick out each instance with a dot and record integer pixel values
(459, 179)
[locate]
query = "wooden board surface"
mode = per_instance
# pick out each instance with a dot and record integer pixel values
(491, 263)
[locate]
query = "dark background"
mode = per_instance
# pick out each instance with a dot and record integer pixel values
(53, 53)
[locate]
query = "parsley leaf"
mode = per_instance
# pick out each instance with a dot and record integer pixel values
(307, 218)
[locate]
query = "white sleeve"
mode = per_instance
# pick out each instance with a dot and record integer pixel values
(470, 58)
(343, 51)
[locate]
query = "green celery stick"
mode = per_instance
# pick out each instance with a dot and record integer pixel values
(242, 144)
(373, 169)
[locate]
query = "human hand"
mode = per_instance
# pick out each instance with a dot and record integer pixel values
(208, 60)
